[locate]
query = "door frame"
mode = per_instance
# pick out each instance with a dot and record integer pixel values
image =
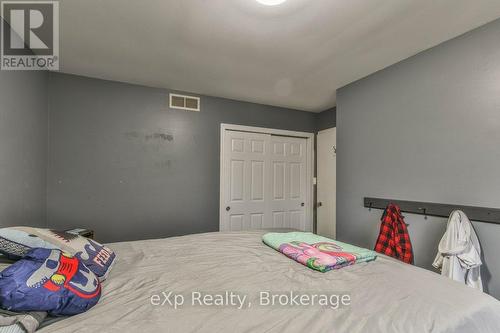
(318, 180)
(309, 211)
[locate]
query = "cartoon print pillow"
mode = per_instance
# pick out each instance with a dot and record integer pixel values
(51, 281)
(15, 242)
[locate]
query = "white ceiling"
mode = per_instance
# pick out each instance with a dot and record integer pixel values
(294, 55)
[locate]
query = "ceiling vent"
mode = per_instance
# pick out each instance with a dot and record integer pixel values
(183, 102)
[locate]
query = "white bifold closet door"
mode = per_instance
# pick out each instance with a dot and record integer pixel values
(264, 181)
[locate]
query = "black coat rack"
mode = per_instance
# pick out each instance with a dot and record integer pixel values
(480, 214)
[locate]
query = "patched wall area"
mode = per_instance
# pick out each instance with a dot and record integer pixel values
(123, 163)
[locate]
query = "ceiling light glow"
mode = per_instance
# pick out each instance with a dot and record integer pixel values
(271, 2)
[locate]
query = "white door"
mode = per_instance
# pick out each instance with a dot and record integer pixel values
(327, 183)
(288, 182)
(264, 182)
(246, 175)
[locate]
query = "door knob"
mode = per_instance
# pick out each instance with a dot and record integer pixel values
(302, 204)
(228, 209)
(320, 204)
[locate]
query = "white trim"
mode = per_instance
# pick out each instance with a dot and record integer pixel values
(309, 213)
(185, 97)
(263, 130)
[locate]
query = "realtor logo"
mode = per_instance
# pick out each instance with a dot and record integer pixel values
(30, 35)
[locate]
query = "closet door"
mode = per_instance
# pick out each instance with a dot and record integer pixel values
(246, 164)
(264, 182)
(288, 182)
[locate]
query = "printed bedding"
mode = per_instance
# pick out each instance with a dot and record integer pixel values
(386, 296)
(316, 252)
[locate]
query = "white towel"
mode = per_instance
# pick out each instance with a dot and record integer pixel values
(459, 253)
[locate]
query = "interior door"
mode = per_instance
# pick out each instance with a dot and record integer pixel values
(264, 182)
(288, 182)
(246, 164)
(327, 183)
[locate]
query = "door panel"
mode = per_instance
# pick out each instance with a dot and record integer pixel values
(257, 221)
(236, 180)
(238, 145)
(295, 219)
(257, 180)
(295, 178)
(278, 219)
(279, 180)
(279, 148)
(258, 146)
(289, 179)
(245, 168)
(237, 222)
(295, 149)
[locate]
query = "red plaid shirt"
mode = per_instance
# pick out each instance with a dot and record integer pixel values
(394, 239)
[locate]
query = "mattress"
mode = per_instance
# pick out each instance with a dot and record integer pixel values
(385, 295)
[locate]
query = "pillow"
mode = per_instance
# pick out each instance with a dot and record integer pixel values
(15, 242)
(51, 281)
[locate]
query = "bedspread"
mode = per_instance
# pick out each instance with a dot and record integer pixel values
(232, 282)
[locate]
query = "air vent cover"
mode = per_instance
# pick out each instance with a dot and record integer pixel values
(184, 102)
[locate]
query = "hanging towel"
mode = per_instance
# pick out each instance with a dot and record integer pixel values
(459, 253)
(393, 239)
(316, 252)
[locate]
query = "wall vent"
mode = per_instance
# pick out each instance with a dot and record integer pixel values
(184, 102)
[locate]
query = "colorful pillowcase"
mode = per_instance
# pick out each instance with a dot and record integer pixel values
(16, 242)
(51, 281)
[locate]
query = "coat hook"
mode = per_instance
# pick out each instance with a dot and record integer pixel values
(425, 212)
(335, 149)
(370, 207)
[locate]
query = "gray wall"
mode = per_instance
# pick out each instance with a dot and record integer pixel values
(326, 119)
(121, 162)
(23, 148)
(426, 129)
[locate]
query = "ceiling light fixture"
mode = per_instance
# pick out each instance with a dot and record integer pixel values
(271, 2)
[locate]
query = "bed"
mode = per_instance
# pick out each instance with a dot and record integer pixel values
(386, 296)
